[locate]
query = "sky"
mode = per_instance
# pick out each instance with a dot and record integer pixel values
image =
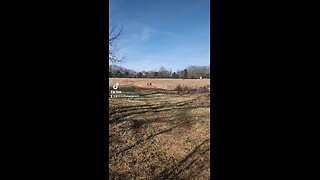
(170, 33)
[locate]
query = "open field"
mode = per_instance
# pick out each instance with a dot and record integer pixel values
(161, 134)
(159, 83)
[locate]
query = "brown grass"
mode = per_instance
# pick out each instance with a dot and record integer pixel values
(161, 135)
(168, 84)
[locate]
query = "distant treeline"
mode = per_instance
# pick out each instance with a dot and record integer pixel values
(192, 72)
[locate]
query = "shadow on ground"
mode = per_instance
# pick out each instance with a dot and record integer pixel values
(137, 126)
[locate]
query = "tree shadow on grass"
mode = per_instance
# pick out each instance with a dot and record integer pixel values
(124, 117)
(191, 161)
(180, 120)
(191, 165)
(116, 110)
(118, 116)
(142, 140)
(115, 175)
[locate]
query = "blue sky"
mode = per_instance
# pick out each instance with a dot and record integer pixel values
(170, 33)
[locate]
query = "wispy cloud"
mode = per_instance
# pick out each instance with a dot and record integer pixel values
(162, 33)
(140, 36)
(141, 32)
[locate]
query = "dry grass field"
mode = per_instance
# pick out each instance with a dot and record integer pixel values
(159, 83)
(161, 134)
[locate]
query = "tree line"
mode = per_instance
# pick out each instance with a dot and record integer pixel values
(191, 72)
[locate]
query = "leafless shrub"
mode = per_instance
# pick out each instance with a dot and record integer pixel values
(190, 89)
(179, 88)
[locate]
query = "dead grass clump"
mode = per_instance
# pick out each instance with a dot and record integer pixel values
(204, 89)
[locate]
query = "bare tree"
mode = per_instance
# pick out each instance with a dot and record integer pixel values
(114, 35)
(198, 71)
(164, 73)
